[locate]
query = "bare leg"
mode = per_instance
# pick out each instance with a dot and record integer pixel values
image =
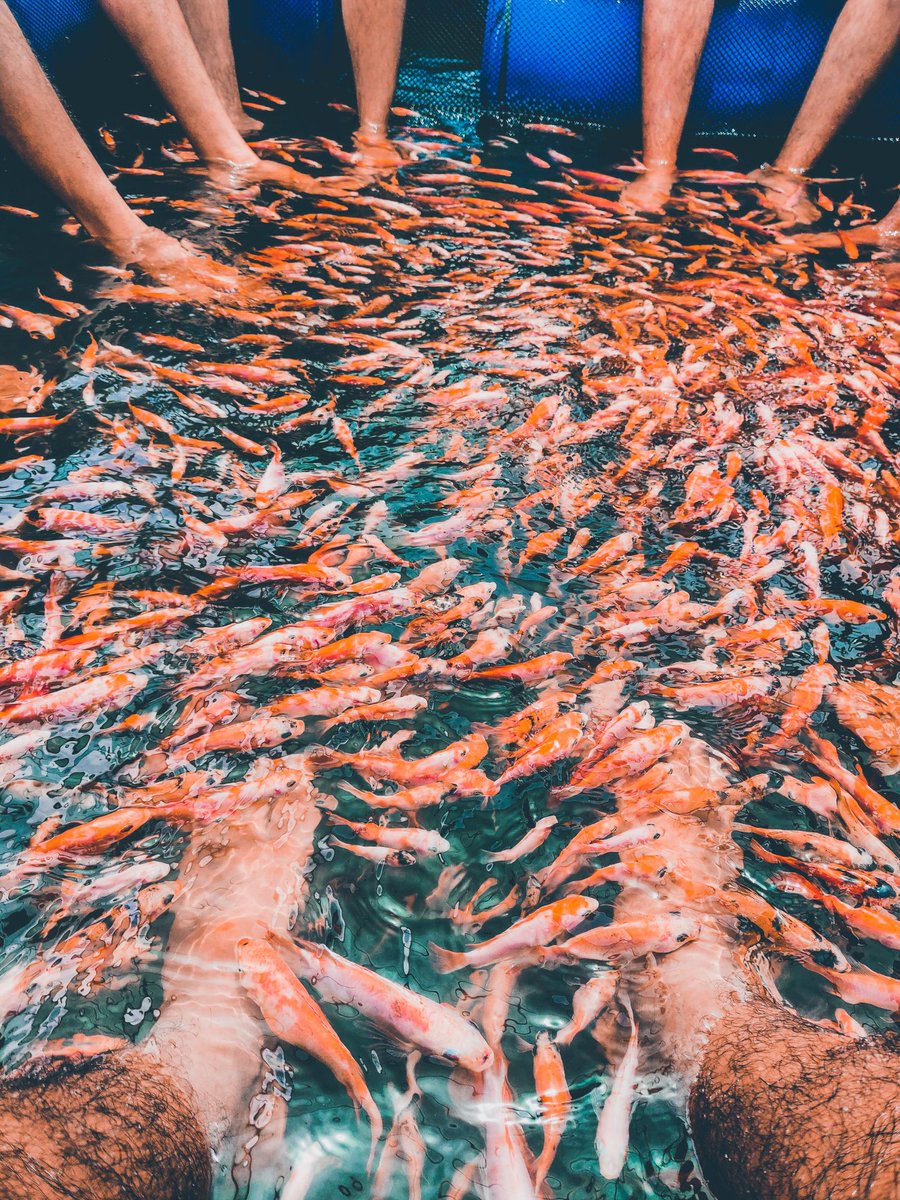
(785, 1110)
(861, 42)
(159, 33)
(780, 1109)
(209, 26)
(672, 39)
(38, 127)
(239, 882)
(374, 34)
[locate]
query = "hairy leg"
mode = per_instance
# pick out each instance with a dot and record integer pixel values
(107, 1128)
(160, 36)
(147, 1123)
(672, 39)
(785, 1110)
(374, 34)
(780, 1109)
(39, 129)
(209, 25)
(861, 42)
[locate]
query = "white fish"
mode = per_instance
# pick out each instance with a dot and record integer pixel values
(615, 1116)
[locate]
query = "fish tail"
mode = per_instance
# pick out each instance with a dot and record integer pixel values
(542, 1166)
(377, 1126)
(446, 960)
(354, 791)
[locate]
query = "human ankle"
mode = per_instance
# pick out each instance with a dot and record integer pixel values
(371, 132)
(661, 168)
(784, 170)
(123, 238)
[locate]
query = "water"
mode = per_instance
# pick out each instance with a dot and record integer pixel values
(534, 304)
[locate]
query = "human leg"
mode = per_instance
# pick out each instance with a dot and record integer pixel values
(374, 33)
(210, 28)
(861, 42)
(159, 33)
(114, 1127)
(673, 35)
(40, 130)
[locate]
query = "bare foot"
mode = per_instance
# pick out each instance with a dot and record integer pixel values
(785, 193)
(244, 123)
(179, 265)
(884, 234)
(241, 878)
(264, 170)
(376, 151)
(650, 191)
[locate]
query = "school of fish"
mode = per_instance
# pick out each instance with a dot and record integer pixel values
(481, 503)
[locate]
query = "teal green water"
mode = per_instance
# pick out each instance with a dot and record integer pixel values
(558, 301)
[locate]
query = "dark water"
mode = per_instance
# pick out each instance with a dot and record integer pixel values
(510, 294)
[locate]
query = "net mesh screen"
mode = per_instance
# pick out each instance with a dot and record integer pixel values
(48, 24)
(556, 61)
(579, 61)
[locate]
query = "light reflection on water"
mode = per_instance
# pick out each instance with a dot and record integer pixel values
(372, 914)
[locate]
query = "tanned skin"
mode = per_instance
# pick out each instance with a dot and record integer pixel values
(780, 1108)
(149, 1123)
(672, 40)
(785, 1110)
(37, 126)
(115, 1127)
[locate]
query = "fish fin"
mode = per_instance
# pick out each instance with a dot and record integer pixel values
(337, 820)
(446, 960)
(354, 791)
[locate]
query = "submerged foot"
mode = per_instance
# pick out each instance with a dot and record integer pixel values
(650, 191)
(883, 234)
(264, 170)
(375, 151)
(244, 123)
(179, 265)
(786, 195)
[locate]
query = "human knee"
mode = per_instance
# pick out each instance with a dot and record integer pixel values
(114, 1127)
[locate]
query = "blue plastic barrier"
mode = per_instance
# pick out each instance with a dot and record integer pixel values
(581, 59)
(50, 25)
(283, 42)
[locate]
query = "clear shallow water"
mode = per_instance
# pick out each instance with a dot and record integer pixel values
(538, 304)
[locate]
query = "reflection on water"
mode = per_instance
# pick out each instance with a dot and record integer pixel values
(656, 460)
